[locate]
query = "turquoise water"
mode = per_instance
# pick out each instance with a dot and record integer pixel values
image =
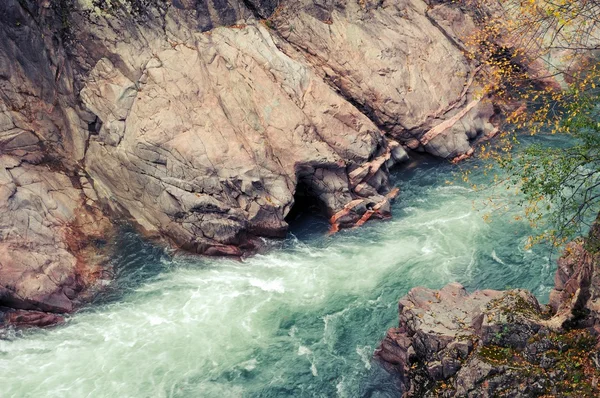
(300, 321)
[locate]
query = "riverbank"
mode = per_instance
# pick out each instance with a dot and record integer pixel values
(508, 342)
(502, 343)
(302, 319)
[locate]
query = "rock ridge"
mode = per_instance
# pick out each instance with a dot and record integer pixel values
(197, 120)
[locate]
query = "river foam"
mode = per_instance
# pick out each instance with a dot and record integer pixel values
(300, 321)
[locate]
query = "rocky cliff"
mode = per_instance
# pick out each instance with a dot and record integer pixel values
(502, 344)
(201, 121)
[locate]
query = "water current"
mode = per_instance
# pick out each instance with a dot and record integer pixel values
(302, 320)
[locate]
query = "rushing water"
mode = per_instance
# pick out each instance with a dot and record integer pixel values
(302, 320)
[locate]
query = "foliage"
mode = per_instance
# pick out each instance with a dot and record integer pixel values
(562, 181)
(537, 61)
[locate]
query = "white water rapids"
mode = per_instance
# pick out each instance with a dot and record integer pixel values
(301, 321)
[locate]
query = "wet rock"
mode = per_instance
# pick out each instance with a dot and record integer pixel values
(22, 319)
(450, 343)
(199, 121)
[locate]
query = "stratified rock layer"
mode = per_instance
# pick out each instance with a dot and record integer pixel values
(52, 231)
(50, 246)
(212, 140)
(396, 63)
(199, 121)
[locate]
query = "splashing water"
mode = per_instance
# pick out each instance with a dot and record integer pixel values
(302, 320)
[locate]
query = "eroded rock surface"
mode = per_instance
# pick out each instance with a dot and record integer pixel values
(218, 136)
(489, 343)
(199, 121)
(52, 231)
(397, 64)
(51, 239)
(204, 136)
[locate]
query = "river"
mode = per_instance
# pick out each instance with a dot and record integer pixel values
(302, 320)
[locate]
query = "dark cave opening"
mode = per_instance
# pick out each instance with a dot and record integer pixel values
(306, 205)
(95, 126)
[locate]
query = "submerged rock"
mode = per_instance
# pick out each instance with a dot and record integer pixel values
(29, 319)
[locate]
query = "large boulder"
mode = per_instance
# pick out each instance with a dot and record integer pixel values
(210, 143)
(489, 343)
(205, 136)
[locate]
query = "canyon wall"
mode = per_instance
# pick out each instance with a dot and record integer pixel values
(200, 122)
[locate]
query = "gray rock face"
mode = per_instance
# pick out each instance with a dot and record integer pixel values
(438, 329)
(395, 62)
(199, 120)
(216, 150)
(50, 231)
(453, 344)
(49, 237)
(206, 135)
(576, 292)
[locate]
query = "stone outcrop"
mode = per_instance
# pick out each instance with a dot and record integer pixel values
(23, 319)
(51, 239)
(52, 231)
(576, 282)
(200, 121)
(397, 64)
(489, 343)
(213, 151)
